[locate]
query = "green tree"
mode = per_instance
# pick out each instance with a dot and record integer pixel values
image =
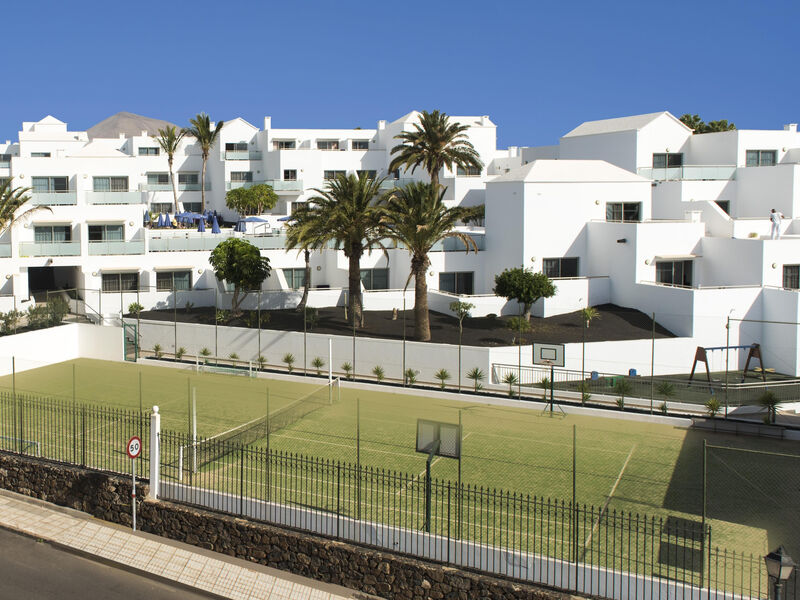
(461, 311)
(713, 407)
(435, 143)
(699, 126)
(769, 401)
(589, 314)
(443, 375)
(206, 137)
(417, 217)
(623, 388)
(348, 213)
(524, 286)
(169, 138)
(255, 200)
(240, 263)
(318, 363)
(477, 376)
(510, 380)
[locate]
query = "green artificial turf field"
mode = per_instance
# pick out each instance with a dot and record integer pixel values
(621, 465)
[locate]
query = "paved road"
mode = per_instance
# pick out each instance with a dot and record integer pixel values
(34, 570)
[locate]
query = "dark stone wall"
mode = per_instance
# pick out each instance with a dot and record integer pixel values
(107, 497)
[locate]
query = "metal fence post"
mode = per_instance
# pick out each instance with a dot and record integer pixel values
(155, 453)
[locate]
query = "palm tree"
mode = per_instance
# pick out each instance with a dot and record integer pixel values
(11, 200)
(769, 402)
(302, 233)
(347, 212)
(416, 216)
(201, 130)
(435, 143)
(169, 139)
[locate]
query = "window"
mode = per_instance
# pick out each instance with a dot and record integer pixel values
(724, 205)
(368, 174)
(360, 145)
(40, 155)
(295, 278)
(791, 277)
(120, 282)
(236, 147)
(461, 283)
(333, 174)
(241, 176)
(162, 207)
(49, 184)
(290, 174)
(674, 272)
(625, 212)
(44, 234)
(560, 267)
(157, 178)
(666, 161)
(166, 281)
(468, 172)
(148, 150)
(283, 144)
(189, 178)
(106, 233)
(375, 279)
(191, 206)
(761, 158)
(5, 158)
(4, 180)
(327, 144)
(110, 184)
(296, 206)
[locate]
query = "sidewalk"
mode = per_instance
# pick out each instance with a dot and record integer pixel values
(160, 558)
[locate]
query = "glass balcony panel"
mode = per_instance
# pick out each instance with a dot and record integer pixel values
(49, 248)
(113, 247)
(114, 197)
(54, 198)
(5, 250)
(242, 155)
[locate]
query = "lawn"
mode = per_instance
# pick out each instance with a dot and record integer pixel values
(622, 465)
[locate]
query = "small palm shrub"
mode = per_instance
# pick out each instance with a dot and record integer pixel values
(347, 368)
(289, 359)
(545, 385)
(261, 361)
(664, 408)
(318, 363)
(622, 387)
(410, 376)
(135, 308)
(205, 353)
(511, 380)
(713, 407)
(442, 375)
(477, 376)
(158, 351)
(583, 388)
(379, 373)
(180, 352)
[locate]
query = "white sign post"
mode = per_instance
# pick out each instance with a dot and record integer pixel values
(134, 449)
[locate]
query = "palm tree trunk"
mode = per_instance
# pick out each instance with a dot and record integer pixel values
(354, 284)
(174, 184)
(435, 179)
(307, 282)
(203, 185)
(422, 325)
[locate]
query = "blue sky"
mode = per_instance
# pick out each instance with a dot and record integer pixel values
(537, 68)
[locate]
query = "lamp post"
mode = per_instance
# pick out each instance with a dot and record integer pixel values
(779, 567)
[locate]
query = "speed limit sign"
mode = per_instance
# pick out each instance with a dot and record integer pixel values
(134, 447)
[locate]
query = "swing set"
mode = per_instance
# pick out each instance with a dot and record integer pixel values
(700, 355)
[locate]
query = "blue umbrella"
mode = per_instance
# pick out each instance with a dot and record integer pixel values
(240, 227)
(215, 225)
(146, 217)
(254, 220)
(160, 222)
(289, 218)
(167, 221)
(201, 226)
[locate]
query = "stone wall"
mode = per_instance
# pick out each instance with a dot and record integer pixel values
(107, 497)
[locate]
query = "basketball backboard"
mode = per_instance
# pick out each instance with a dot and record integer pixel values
(548, 354)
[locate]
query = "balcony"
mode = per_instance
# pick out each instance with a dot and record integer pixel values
(5, 250)
(167, 187)
(207, 242)
(278, 185)
(49, 248)
(456, 245)
(116, 247)
(689, 173)
(65, 198)
(114, 198)
(5, 164)
(242, 155)
(390, 184)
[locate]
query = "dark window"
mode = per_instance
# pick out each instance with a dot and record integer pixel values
(461, 283)
(328, 175)
(148, 150)
(295, 278)
(761, 158)
(283, 144)
(327, 144)
(50, 184)
(161, 207)
(360, 145)
(290, 174)
(191, 206)
(189, 178)
(157, 178)
(468, 172)
(791, 277)
(674, 272)
(663, 160)
(625, 212)
(241, 176)
(52, 233)
(40, 155)
(560, 267)
(724, 205)
(120, 282)
(367, 174)
(106, 233)
(236, 146)
(110, 184)
(375, 279)
(173, 280)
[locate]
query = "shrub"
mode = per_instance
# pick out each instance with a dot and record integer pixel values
(621, 403)
(583, 388)
(545, 385)
(666, 389)
(222, 315)
(769, 401)
(713, 407)
(410, 376)
(511, 380)
(377, 370)
(622, 387)
(205, 353)
(57, 309)
(664, 408)
(312, 317)
(135, 308)
(188, 306)
(318, 363)
(289, 359)
(180, 352)
(518, 324)
(477, 376)
(10, 321)
(261, 361)
(38, 317)
(347, 368)
(158, 351)
(233, 356)
(442, 375)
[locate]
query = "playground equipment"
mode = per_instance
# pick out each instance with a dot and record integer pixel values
(700, 355)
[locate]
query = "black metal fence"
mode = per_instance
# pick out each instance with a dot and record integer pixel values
(587, 549)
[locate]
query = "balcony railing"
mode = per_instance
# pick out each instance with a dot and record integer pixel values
(49, 248)
(5, 250)
(456, 245)
(689, 173)
(64, 198)
(114, 197)
(390, 184)
(5, 164)
(208, 242)
(167, 187)
(113, 247)
(278, 185)
(242, 155)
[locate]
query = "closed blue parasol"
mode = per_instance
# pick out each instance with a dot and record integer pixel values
(215, 225)
(240, 227)
(201, 226)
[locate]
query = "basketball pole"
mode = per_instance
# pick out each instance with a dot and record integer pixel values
(358, 452)
(652, 363)
(194, 430)
(727, 353)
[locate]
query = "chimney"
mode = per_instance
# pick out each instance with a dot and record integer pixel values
(381, 124)
(513, 151)
(267, 123)
(484, 119)
(144, 134)
(790, 127)
(122, 136)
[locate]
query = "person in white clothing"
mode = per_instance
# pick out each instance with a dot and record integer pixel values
(775, 230)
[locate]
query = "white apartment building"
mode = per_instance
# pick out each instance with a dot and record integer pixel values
(637, 211)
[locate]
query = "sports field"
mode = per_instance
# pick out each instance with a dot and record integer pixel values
(623, 465)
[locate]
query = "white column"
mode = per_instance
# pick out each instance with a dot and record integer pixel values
(155, 452)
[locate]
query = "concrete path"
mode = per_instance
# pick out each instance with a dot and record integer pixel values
(160, 558)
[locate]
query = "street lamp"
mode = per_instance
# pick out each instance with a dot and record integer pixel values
(779, 567)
